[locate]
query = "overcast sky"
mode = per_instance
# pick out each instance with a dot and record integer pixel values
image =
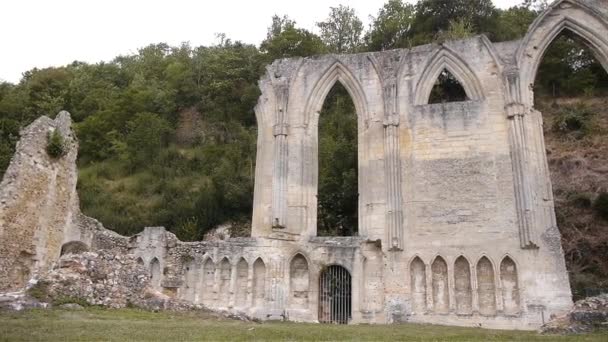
(42, 33)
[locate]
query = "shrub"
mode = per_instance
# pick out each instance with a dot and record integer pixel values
(574, 119)
(55, 145)
(601, 205)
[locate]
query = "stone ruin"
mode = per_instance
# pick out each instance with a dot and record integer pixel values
(456, 217)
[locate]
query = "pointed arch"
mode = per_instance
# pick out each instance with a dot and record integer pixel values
(337, 72)
(486, 286)
(259, 282)
(242, 275)
(510, 286)
(225, 269)
(446, 59)
(299, 282)
(208, 274)
(462, 286)
(418, 285)
(441, 297)
(155, 273)
(577, 17)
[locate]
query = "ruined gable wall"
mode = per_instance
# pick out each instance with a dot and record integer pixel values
(37, 202)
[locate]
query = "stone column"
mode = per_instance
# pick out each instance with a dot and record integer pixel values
(279, 177)
(519, 154)
(392, 162)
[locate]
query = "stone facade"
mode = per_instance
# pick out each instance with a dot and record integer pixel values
(456, 220)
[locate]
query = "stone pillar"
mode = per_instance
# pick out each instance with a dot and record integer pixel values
(392, 162)
(279, 177)
(519, 154)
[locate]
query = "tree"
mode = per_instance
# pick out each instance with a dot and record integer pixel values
(513, 23)
(285, 40)
(341, 31)
(391, 28)
(147, 134)
(433, 16)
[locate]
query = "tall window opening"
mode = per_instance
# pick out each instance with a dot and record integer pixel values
(571, 92)
(447, 88)
(338, 191)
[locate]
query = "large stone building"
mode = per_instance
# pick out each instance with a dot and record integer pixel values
(456, 219)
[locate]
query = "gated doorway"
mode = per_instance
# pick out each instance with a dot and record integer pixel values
(335, 295)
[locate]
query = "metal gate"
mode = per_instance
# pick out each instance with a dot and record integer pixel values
(335, 295)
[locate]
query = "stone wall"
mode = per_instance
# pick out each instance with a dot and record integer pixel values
(456, 220)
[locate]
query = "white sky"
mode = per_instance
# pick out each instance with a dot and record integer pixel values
(42, 33)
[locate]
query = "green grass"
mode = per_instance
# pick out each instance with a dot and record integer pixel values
(95, 324)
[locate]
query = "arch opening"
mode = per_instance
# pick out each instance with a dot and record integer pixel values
(447, 88)
(337, 191)
(570, 86)
(335, 295)
(190, 279)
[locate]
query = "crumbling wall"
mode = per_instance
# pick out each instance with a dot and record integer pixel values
(38, 202)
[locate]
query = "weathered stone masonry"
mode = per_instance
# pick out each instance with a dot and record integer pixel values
(455, 203)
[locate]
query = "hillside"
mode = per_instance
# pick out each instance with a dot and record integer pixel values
(576, 138)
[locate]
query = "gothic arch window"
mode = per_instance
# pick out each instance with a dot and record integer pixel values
(338, 191)
(447, 88)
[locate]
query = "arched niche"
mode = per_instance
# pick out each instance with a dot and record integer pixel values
(585, 22)
(299, 282)
(510, 286)
(446, 59)
(208, 274)
(462, 286)
(441, 292)
(418, 285)
(155, 274)
(259, 283)
(224, 282)
(486, 287)
(242, 273)
(190, 274)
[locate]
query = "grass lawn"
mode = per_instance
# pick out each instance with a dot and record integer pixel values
(133, 325)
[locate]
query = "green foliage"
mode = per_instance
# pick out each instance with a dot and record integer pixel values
(70, 300)
(573, 120)
(39, 291)
(458, 29)
(601, 205)
(55, 146)
(391, 27)
(342, 30)
(433, 16)
(285, 40)
(447, 89)
(569, 69)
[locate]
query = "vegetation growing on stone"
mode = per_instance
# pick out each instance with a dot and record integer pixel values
(56, 145)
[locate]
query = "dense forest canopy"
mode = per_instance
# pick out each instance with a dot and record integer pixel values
(167, 135)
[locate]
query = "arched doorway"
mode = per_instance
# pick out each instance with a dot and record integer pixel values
(335, 295)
